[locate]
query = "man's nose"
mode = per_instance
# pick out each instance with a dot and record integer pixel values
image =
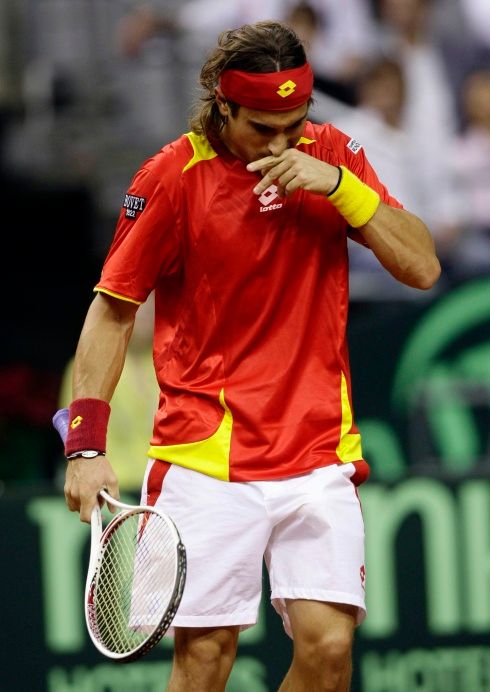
(278, 144)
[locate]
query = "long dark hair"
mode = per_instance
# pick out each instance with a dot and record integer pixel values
(262, 47)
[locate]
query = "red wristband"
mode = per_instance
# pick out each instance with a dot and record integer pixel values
(87, 428)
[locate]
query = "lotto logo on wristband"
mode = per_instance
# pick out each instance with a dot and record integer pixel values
(94, 414)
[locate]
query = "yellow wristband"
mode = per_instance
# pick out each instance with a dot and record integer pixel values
(355, 200)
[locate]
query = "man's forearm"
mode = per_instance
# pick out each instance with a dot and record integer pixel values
(403, 245)
(102, 347)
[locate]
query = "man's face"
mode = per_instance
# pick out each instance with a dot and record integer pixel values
(251, 134)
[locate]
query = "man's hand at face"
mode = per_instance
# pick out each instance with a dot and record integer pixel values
(294, 170)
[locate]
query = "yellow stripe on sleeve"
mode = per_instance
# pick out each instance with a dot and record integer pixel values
(97, 289)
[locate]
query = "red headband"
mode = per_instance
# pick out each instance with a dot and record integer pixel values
(270, 91)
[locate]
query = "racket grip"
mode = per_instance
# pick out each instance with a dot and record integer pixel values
(61, 420)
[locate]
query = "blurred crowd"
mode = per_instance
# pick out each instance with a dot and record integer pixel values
(91, 88)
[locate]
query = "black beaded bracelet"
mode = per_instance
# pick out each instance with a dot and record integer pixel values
(338, 182)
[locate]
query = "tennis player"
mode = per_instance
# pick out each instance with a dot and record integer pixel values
(240, 227)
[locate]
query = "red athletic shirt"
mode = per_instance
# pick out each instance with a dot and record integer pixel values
(251, 302)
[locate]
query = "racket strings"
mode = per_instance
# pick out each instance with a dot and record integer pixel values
(134, 582)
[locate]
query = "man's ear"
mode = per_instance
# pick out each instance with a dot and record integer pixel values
(223, 106)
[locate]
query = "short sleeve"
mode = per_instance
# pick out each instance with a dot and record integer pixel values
(146, 244)
(351, 154)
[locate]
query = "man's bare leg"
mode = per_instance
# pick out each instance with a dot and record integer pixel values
(203, 658)
(323, 635)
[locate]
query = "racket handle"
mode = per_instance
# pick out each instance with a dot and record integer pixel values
(61, 420)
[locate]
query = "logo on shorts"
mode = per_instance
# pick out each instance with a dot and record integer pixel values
(354, 146)
(133, 205)
(267, 199)
(362, 574)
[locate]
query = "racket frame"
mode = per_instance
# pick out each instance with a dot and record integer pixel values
(97, 548)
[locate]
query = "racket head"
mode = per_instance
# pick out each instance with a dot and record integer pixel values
(135, 583)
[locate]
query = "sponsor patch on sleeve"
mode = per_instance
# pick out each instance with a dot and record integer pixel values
(133, 205)
(354, 146)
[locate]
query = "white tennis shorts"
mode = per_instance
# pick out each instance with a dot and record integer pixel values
(309, 529)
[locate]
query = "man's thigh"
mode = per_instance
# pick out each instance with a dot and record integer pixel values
(224, 528)
(316, 551)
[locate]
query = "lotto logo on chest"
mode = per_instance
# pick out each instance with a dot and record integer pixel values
(268, 199)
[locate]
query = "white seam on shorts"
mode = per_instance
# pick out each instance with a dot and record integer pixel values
(314, 594)
(279, 595)
(246, 619)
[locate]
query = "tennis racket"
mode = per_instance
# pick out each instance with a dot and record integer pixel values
(135, 577)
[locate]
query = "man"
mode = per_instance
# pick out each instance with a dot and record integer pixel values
(240, 227)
